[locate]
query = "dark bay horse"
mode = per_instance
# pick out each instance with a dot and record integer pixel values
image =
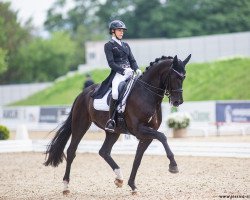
(142, 115)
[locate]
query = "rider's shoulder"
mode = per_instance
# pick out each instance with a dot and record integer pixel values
(109, 43)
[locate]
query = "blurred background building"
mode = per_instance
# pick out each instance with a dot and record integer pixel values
(203, 48)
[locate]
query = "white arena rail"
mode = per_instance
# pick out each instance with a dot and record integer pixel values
(128, 146)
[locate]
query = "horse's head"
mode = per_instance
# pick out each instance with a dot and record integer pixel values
(165, 76)
(177, 75)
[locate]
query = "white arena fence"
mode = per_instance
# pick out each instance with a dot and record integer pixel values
(128, 146)
(208, 118)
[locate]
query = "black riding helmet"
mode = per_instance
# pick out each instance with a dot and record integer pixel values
(115, 25)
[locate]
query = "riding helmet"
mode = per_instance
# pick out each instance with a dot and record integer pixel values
(115, 25)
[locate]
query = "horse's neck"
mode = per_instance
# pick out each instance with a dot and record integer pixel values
(152, 78)
(149, 87)
(154, 74)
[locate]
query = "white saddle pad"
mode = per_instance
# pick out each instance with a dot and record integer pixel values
(101, 104)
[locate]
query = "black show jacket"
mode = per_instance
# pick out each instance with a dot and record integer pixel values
(118, 57)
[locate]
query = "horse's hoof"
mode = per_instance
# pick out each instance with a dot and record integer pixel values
(118, 183)
(173, 169)
(135, 192)
(66, 192)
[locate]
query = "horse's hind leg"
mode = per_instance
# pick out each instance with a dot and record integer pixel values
(105, 151)
(79, 128)
(141, 148)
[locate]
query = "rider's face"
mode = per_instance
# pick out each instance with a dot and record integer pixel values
(119, 33)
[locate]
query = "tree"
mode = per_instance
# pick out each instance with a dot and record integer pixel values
(178, 18)
(83, 14)
(12, 36)
(149, 18)
(3, 63)
(225, 16)
(55, 20)
(155, 18)
(80, 22)
(50, 58)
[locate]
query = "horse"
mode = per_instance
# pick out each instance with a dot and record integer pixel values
(142, 115)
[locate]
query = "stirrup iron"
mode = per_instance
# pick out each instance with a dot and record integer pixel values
(110, 126)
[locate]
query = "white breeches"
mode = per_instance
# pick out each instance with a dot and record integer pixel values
(115, 83)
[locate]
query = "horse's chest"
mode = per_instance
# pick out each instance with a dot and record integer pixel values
(150, 116)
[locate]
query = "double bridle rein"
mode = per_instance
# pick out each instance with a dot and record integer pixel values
(166, 90)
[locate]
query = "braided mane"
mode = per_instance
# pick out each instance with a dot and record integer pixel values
(157, 60)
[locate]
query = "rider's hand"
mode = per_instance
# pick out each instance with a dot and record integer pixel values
(128, 72)
(138, 72)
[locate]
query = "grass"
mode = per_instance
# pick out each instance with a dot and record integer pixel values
(220, 80)
(62, 92)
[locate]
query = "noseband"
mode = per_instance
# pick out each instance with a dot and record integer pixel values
(167, 90)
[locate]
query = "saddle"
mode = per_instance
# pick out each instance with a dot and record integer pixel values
(124, 90)
(121, 89)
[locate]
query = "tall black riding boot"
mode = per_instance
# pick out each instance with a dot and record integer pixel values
(110, 126)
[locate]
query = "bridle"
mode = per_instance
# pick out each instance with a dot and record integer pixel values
(167, 89)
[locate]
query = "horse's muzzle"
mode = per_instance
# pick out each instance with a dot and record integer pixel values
(176, 103)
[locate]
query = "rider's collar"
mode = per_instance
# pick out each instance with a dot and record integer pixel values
(118, 41)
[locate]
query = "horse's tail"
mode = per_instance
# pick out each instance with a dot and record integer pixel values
(54, 152)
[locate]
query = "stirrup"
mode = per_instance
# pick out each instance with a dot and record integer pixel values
(110, 126)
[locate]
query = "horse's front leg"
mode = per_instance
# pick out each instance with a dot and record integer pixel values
(105, 152)
(149, 133)
(141, 148)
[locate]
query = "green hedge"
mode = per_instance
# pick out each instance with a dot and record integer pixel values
(4, 133)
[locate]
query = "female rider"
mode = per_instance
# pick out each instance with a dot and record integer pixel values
(122, 63)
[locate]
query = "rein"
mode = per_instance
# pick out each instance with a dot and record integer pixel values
(148, 86)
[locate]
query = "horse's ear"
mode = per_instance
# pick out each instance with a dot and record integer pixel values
(175, 61)
(187, 59)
